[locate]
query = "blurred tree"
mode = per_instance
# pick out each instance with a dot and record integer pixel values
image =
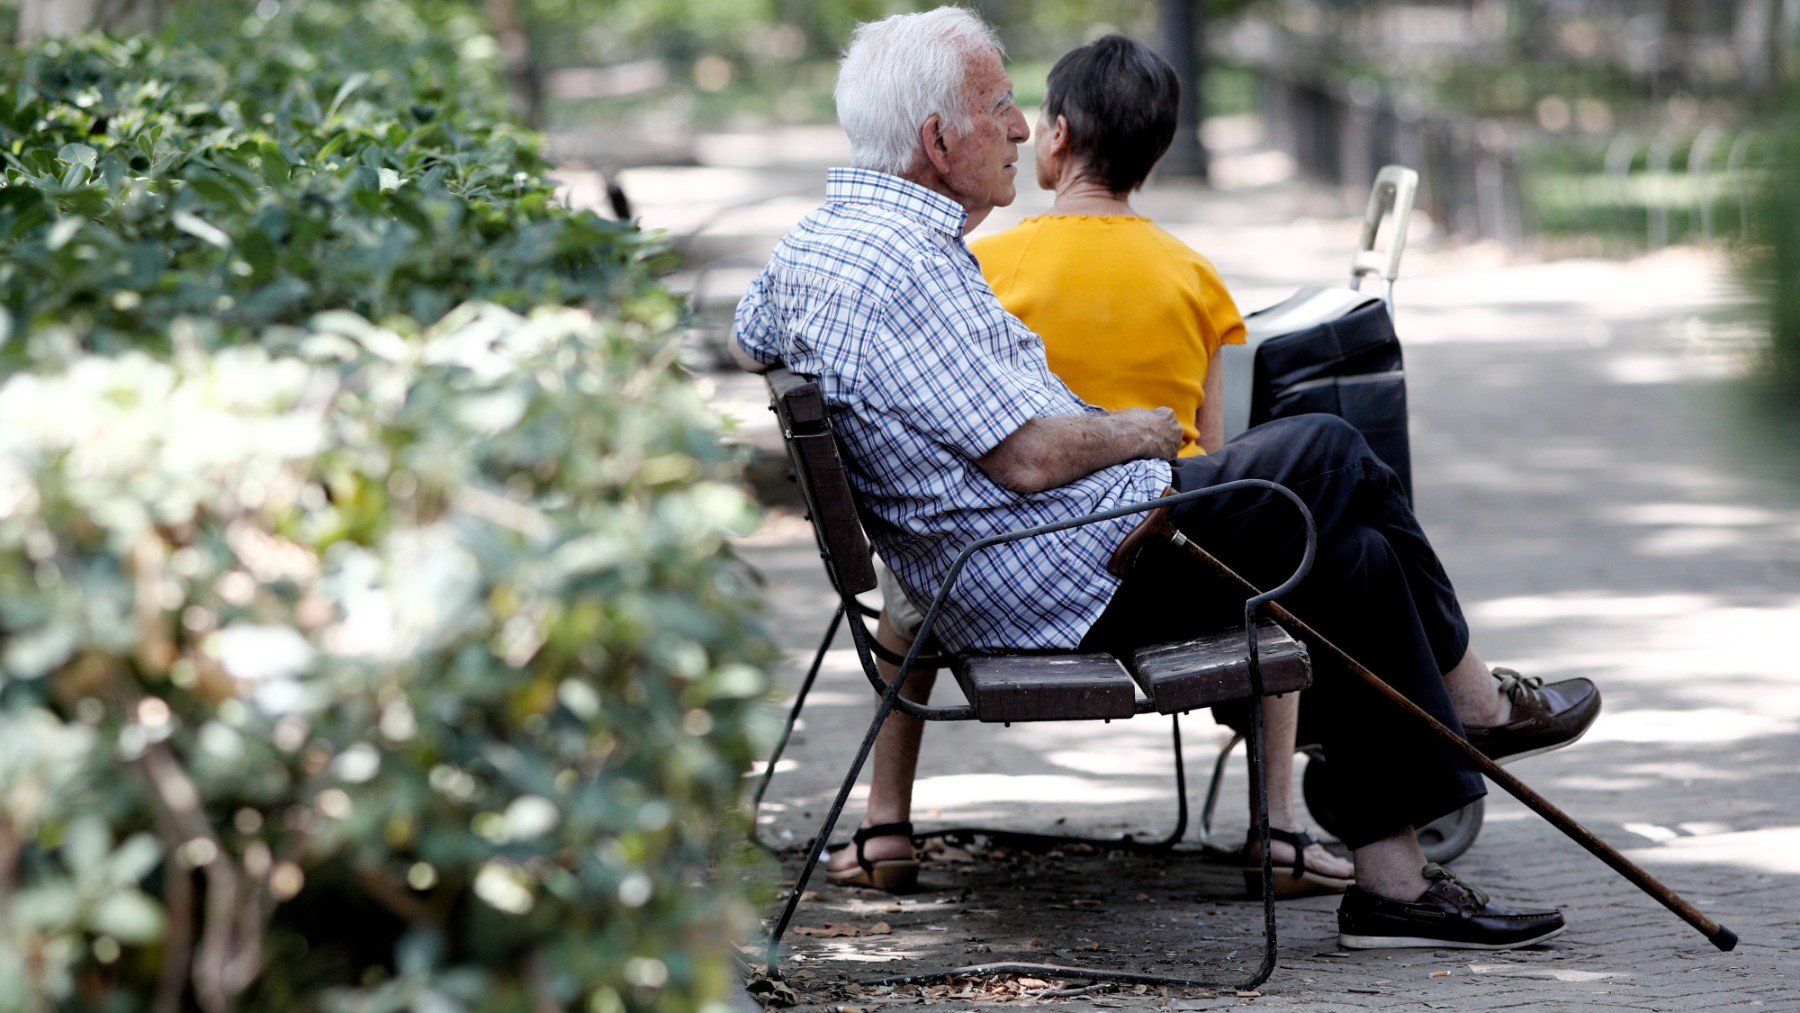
(54, 19)
(524, 75)
(1760, 38)
(1181, 38)
(1180, 29)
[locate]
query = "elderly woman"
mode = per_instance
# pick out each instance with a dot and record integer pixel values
(1131, 317)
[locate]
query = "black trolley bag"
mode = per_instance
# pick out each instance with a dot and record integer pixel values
(1349, 366)
(1334, 350)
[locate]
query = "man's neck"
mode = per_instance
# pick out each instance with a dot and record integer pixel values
(929, 178)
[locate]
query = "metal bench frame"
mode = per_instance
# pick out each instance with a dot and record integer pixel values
(844, 548)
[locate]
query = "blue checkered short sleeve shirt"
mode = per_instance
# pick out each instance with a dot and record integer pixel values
(924, 372)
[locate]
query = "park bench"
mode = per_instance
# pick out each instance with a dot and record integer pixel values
(1169, 679)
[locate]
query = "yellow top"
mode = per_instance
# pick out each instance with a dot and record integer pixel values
(1131, 317)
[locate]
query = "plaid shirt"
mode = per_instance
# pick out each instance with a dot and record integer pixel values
(876, 296)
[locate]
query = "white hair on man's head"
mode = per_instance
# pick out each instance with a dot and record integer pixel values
(899, 71)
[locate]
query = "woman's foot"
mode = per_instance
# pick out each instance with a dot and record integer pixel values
(877, 856)
(1317, 870)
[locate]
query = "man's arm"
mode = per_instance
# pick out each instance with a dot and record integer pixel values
(1047, 452)
(744, 360)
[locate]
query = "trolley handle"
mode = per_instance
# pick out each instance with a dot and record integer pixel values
(1390, 198)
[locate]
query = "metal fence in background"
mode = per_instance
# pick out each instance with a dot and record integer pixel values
(1517, 183)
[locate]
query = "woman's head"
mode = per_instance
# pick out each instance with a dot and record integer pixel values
(1120, 102)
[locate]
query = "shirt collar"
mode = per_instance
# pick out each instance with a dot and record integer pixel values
(866, 186)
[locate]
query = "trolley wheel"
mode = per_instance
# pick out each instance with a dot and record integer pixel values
(1443, 840)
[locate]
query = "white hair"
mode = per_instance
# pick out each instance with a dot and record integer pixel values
(900, 71)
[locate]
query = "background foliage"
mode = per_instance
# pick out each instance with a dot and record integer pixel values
(268, 170)
(349, 663)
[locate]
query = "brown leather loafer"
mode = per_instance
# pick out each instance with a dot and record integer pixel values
(1543, 717)
(1449, 915)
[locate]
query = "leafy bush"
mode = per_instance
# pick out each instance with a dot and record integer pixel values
(357, 651)
(371, 637)
(338, 156)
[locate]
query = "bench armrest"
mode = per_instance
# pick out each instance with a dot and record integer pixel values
(962, 559)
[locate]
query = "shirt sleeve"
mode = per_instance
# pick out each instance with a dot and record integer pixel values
(949, 361)
(754, 325)
(1224, 322)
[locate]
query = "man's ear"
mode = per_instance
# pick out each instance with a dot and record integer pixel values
(935, 144)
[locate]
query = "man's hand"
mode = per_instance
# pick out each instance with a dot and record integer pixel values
(1048, 452)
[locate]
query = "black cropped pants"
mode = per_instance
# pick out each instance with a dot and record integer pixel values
(1376, 589)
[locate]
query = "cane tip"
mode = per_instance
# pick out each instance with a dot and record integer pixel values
(1724, 939)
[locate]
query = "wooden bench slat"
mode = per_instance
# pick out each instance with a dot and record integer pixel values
(1214, 668)
(1046, 687)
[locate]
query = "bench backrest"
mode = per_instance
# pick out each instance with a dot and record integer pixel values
(819, 469)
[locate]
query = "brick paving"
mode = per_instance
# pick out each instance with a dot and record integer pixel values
(1607, 498)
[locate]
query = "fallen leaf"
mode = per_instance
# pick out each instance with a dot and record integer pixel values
(832, 930)
(772, 993)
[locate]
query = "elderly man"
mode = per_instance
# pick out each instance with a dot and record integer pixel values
(955, 429)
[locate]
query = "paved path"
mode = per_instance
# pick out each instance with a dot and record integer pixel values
(1609, 505)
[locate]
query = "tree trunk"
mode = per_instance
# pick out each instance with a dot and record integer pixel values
(1181, 26)
(55, 19)
(523, 75)
(1759, 39)
(1679, 28)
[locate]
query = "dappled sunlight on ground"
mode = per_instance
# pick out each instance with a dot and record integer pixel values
(1775, 850)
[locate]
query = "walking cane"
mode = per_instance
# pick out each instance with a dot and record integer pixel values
(1717, 934)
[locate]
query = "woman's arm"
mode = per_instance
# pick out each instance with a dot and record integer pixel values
(1209, 421)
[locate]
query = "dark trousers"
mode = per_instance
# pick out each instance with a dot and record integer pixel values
(1376, 589)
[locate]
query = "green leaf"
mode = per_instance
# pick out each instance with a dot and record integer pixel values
(78, 154)
(349, 88)
(63, 231)
(202, 230)
(129, 916)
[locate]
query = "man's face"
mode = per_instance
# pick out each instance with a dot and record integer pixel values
(983, 164)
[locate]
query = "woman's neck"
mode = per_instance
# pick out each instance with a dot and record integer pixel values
(1084, 196)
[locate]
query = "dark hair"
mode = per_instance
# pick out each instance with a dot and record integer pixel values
(1121, 101)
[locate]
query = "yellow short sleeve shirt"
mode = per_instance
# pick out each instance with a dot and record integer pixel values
(1131, 317)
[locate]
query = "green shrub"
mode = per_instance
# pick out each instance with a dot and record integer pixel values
(357, 651)
(338, 156)
(370, 638)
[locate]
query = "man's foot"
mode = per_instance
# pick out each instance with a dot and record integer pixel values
(1543, 717)
(1449, 915)
(1303, 868)
(880, 857)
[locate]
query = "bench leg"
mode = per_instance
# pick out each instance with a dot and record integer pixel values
(762, 784)
(860, 636)
(1259, 790)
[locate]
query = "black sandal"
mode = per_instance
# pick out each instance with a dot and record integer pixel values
(1290, 881)
(893, 875)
